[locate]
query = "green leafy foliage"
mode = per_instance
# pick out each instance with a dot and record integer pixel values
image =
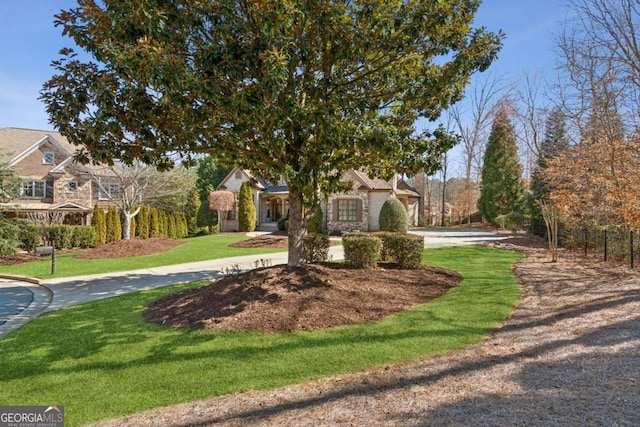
(8, 238)
(316, 248)
(83, 236)
(282, 223)
(361, 250)
(502, 189)
(316, 222)
(246, 208)
(393, 216)
(293, 89)
(405, 249)
(30, 236)
(555, 142)
(59, 236)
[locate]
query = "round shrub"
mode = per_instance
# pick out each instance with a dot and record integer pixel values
(281, 223)
(361, 250)
(393, 216)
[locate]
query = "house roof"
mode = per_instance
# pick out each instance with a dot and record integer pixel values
(372, 183)
(15, 143)
(405, 189)
(276, 189)
(261, 183)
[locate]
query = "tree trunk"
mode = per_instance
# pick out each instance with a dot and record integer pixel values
(296, 229)
(126, 227)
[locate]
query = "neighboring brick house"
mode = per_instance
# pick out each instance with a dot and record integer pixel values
(54, 188)
(357, 209)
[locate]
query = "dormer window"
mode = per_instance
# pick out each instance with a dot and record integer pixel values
(49, 157)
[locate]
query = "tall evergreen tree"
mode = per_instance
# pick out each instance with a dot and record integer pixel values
(555, 142)
(114, 226)
(154, 223)
(191, 212)
(502, 190)
(99, 222)
(143, 223)
(246, 208)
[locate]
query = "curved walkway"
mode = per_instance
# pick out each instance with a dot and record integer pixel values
(22, 299)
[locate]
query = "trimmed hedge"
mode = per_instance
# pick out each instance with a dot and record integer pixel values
(404, 249)
(30, 236)
(361, 250)
(316, 248)
(83, 236)
(59, 236)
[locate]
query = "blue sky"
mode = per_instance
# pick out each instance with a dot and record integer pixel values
(29, 42)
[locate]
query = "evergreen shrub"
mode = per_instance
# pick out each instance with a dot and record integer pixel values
(316, 248)
(361, 250)
(59, 236)
(393, 216)
(281, 223)
(83, 236)
(405, 249)
(30, 236)
(246, 208)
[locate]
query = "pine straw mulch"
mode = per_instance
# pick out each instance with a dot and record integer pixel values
(568, 355)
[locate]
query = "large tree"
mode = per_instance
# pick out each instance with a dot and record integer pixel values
(554, 144)
(502, 191)
(300, 89)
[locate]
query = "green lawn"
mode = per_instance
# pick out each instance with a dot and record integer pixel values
(100, 360)
(195, 249)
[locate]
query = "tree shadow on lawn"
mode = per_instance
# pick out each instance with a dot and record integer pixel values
(90, 342)
(589, 383)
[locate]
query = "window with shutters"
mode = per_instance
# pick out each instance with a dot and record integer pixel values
(348, 210)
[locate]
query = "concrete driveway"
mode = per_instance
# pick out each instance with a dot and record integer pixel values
(442, 237)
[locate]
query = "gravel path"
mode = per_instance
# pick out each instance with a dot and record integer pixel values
(569, 355)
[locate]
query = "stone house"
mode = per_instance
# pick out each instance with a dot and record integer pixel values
(54, 189)
(357, 209)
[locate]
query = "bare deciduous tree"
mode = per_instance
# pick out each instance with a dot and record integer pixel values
(472, 121)
(130, 187)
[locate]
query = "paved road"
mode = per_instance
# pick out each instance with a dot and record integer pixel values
(21, 301)
(14, 299)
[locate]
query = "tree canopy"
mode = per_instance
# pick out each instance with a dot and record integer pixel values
(299, 89)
